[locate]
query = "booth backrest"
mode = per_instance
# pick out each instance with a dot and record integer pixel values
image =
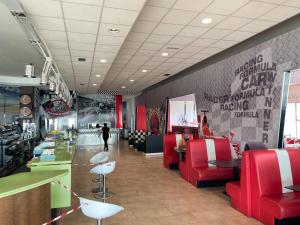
(272, 171)
(203, 150)
(245, 184)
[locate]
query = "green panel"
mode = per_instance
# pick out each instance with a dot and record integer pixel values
(60, 197)
(21, 182)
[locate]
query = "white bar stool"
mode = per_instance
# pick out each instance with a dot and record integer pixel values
(99, 158)
(98, 210)
(104, 169)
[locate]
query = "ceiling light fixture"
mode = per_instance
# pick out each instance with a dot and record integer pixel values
(94, 84)
(98, 75)
(164, 54)
(206, 20)
(131, 80)
(144, 71)
(123, 87)
(103, 60)
(113, 30)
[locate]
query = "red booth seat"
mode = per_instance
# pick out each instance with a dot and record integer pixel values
(239, 191)
(170, 157)
(199, 152)
(271, 172)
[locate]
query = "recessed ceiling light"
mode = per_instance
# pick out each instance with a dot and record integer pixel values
(113, 30)
(98, 75)
(94, 84)
(144, 71)
(103, 60)
(123, 87)
(164, 54)
(206, 20)
(131, 80)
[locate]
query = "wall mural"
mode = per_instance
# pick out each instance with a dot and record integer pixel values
(96, 108)
(242, 93)
(156, 119)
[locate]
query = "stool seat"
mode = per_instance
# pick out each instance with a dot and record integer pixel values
(104, 168)
(98, 210)
(100, 157)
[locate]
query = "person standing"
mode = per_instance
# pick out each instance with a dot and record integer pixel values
(105, 135)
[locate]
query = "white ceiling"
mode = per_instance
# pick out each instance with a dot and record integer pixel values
(15, 49)
(79, 28)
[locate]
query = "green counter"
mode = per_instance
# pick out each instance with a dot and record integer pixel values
(64, 155)
(22, 182)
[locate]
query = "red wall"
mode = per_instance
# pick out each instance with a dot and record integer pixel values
(141, 122)
(119, 113)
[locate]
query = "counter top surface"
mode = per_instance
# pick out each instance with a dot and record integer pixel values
(63, 154)
(21, 182)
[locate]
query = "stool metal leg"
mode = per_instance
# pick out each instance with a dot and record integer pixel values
(99, 188)
(104, 188)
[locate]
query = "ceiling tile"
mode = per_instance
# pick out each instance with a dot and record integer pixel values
(135, 36)
(107, 48)
(48, 23)
(82, 26)
(181, 40)
(280, 13)
(216, 33)
(159, 38)
(193, 49)
(192, 31)
(123, 29)
(62, 58)
(53, 35)
(105, 55)
(81, 46)
(87, 2)
(215, 20)
(223, 44)
(144, 26)
(183, 55)
(257, 26)
(193, 5)
(175, 16)
(81, 12)
(154, 14)
(175, 60)
(132, 44)
(110, 40)
(161, 3)
(294, 3)
(254, 9)
(44, 8)
(57, 51)
(273, 1)
(225, 7)
(129, 4)
(57, 44)
(232, 23)
(167, 29)
(238, 36)
(83, 38)
(118, 16)
(203, 42)
(82, 53)
(211, 50)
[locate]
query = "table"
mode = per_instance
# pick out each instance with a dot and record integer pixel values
(294, 187)
(233, 163)
(181, 152)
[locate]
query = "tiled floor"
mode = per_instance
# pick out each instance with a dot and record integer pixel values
(151, 194)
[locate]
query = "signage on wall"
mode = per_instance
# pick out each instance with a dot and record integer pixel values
(255, 81)
(25, 106)
(56, 107)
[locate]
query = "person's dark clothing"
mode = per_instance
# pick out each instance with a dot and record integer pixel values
(105, 136)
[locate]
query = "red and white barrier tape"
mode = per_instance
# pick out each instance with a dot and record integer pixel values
(62, 215)
(67, 188)
(84, 164)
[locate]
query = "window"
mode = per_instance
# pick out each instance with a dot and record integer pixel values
(292, 120)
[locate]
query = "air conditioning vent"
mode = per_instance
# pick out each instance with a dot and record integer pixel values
(81, 59)
(167, 74)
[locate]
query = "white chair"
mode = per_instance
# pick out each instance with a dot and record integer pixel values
(104, 169)
(99, 158)
(98, 210)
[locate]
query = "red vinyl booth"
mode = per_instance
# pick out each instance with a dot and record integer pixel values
(198, 153)
(171, 158)
(271, 172)
(239, 191)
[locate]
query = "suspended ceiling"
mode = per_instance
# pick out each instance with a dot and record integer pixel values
(76, 29)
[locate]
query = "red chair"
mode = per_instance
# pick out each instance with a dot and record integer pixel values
(198, 153)
(271, 172)
(170, 157)
(240, 191)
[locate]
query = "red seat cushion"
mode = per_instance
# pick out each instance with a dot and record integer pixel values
(233, 189)
(281, 206)
(214, 173)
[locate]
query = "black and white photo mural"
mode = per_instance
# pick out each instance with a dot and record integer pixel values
(96, 108)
